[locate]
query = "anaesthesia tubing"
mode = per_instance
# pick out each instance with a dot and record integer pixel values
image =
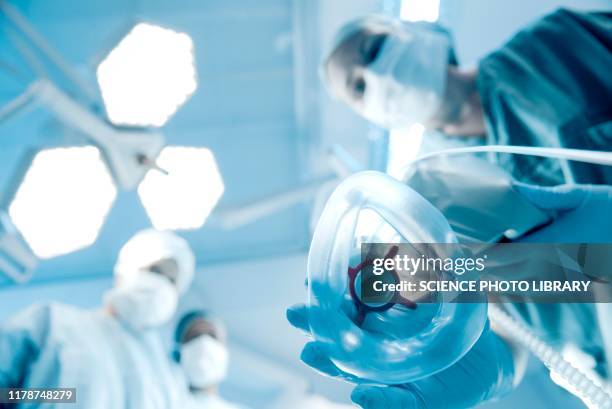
(579, 155)
(588, 390)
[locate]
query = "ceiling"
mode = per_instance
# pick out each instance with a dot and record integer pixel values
(244, 111)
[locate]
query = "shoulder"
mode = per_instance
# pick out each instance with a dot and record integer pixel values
(43, 313)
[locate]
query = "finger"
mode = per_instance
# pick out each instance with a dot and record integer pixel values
(314, 355)
(327, 324)
(386, 397)
(297, 315)
(552, 198)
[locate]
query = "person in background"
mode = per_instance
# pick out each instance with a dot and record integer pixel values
(548, 86)
(112, 356)
(203, 355)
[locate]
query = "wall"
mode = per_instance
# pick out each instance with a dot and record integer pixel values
(480, 26)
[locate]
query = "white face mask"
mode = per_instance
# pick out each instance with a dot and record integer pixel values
(205, 361)
(405, 84)
(148, 301)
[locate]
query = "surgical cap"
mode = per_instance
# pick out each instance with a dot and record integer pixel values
(150, 246)
(354, 26)
(188, 318)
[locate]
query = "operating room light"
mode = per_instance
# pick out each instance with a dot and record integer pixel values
(183, 198)
(404, 146)
(420, 10)
(63, 200)
(147, 76)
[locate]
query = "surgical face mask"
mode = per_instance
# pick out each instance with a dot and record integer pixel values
(205, 361)
(148, 301)
(405, 84)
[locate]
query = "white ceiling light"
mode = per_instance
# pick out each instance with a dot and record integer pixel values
(420, 10)
(147, 76)
(184, 197)
(404, 145)
(63, 200)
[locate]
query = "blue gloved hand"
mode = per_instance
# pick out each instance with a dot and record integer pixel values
(581, 213)
(485, 372)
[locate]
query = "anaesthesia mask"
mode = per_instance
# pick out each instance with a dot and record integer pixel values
(147, 301)
(205, 361)
(391, 343)
(405, 84)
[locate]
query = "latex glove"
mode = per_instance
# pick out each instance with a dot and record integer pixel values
(485, 372)
(581, 214)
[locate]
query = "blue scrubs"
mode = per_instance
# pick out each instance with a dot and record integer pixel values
(551, 85)
(57, 345)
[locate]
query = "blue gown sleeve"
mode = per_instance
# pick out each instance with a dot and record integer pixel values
(550, 86)
(21, 340)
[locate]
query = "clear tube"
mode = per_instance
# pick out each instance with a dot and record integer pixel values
(590, 391)
(578, 155)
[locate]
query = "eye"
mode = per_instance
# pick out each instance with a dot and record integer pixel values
(359, 86)
(371, 46)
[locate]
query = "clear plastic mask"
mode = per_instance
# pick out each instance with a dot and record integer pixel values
(400, 340)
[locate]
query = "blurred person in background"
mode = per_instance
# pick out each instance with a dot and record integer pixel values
(203, 355)
(113, 355)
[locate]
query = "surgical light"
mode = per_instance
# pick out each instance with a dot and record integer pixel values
(63, 200)
(184, 197)
(404, 146)
(147, 76)
(420, 10)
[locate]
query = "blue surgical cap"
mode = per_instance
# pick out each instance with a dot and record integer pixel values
(354, 26)
(186, 321)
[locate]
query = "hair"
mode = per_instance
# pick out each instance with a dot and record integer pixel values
(186, 320)
(348, 30)
(354, 26)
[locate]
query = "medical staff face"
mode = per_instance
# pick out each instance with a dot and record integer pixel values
(148, 299)
(152, 270)
(203, 354)
(396, 74)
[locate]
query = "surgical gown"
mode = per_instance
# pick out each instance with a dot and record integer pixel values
(551, 85)
(57, 345)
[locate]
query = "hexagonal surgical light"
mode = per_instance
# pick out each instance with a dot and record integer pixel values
(63, 200)
(147, 76)
(183, 198)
